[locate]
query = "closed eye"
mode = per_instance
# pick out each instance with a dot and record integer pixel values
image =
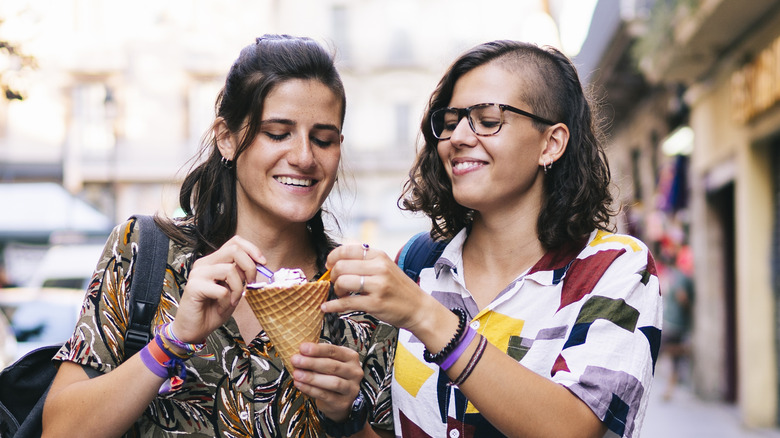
(277, 137)
(325, 137)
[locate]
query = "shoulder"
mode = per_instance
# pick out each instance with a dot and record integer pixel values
(619, 248)
(601, 240)
(612, 262)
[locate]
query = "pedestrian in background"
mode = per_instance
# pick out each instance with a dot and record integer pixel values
(535, 320)
(269, 162)
(678, 292)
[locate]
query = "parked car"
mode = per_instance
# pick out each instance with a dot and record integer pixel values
(40, 316)
(66, 266)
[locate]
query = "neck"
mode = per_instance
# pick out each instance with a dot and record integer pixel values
(288, 246)
(511, 246)
(496, 252)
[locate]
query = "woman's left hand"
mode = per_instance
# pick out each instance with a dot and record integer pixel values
(330, 374)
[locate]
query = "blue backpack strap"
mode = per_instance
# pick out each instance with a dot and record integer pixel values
(420, 252)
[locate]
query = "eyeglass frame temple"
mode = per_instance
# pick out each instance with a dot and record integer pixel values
(465, 112)
(524, 113)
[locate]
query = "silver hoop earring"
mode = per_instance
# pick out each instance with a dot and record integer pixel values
(227, 164)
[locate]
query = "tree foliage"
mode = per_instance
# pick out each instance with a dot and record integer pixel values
(13, 62)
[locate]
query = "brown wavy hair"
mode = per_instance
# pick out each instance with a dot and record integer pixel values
(576, 199)
(208, 193)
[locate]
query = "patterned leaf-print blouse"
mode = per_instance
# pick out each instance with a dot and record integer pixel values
(243, 391)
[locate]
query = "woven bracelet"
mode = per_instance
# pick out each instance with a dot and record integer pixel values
(153, 364)
(472, 362)
(166, 332)
(439, 357)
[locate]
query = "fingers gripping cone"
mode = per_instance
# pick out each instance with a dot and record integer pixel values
(290, 315)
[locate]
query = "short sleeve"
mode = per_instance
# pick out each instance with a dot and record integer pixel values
(610, 353)
(98, 337)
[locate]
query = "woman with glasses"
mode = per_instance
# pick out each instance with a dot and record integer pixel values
(535, 320)
(255, 197)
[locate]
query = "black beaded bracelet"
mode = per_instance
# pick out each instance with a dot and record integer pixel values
(439, 357)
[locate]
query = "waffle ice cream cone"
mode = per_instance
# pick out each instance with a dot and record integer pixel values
(289, 314)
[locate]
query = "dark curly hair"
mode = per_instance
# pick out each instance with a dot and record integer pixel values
(577, 198)
(208, 193)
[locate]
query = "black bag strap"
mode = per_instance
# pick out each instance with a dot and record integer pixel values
(420, 252)
(146, 283)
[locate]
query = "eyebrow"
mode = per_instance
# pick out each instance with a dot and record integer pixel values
(288, 122)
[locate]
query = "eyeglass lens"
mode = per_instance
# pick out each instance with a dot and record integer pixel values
(483, 120)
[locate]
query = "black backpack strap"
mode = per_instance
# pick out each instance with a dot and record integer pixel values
(146, 284)
(420, 252)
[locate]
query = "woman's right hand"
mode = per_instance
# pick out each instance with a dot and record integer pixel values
(386, 291)
(214, 288)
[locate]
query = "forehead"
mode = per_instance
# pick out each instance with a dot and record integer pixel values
(486, 83)
(489, 83)
(303, 100)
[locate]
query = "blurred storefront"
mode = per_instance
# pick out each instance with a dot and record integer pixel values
(711, 70)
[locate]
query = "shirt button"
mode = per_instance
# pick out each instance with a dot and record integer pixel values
(454, 433)
(244, 415)
(475, 325)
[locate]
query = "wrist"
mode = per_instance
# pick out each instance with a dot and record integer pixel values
(438, 329)
(429, 319)
(182, 334)
(349, 425)
(166, 332)
(439, 356)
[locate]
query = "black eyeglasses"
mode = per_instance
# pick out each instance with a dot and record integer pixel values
(484, 119)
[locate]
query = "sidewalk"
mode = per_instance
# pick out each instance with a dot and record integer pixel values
(685, 416)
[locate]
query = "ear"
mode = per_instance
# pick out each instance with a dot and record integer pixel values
(556, 140)
(226, 141)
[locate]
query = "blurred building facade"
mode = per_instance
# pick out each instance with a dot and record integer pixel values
(124, 91)
(694, 86)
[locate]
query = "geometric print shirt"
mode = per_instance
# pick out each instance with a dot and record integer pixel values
(587, 317)
(235, 389)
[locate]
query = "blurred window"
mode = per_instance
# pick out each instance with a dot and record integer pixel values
(200, 109)
(402, 125)
(92, 127)
(340, 22)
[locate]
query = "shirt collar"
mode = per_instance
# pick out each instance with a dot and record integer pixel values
(452, 255)
(555, 262)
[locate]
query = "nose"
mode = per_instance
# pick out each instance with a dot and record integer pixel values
(301, 155)
(462, 135)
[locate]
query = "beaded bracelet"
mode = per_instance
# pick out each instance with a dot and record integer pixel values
(458, 352)
(439, 357)
(472, 362)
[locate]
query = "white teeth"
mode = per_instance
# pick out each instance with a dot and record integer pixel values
(465, 165)
(294, 181)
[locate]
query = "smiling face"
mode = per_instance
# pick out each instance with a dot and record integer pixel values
(289, 169)
(498, 172)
